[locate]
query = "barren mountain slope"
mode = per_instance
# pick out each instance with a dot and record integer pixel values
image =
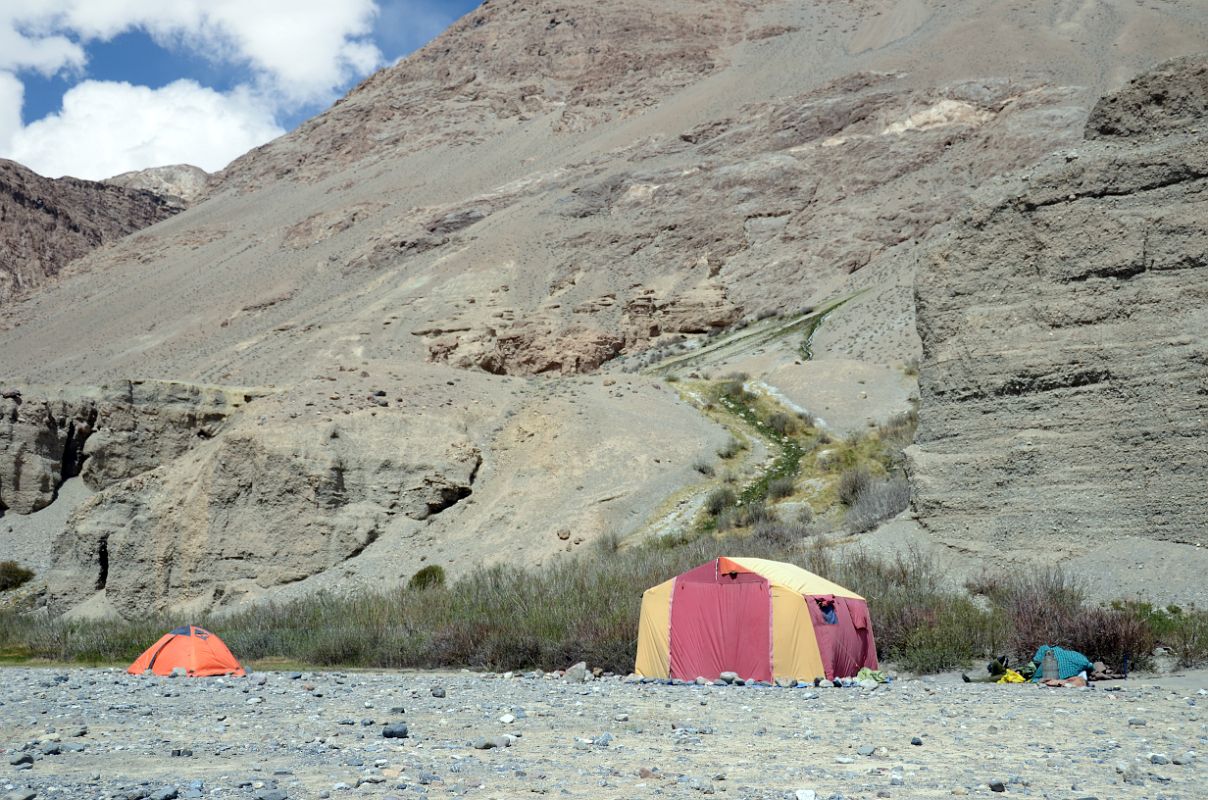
(543, 192)
(1065, 385)
(46, 223)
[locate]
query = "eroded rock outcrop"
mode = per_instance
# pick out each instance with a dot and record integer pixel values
(103, 435)
(46, 223)
(1065, 383)
(259, 506)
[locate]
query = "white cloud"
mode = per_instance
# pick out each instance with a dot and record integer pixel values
(12, 92)
(297, 53)
(106, 128)
(298, 50)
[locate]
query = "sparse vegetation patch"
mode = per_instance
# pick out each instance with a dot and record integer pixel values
(13, 575)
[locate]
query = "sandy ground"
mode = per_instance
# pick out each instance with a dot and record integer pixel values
(316, 735)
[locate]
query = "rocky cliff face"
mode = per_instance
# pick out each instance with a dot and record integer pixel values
(1065, 381)
(46, 223)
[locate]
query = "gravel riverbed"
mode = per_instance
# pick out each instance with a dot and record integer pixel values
(99, 733)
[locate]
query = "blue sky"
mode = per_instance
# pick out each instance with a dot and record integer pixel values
(91, 88)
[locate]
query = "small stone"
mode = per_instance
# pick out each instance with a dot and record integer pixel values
(178, 672)
(166, 793)
(896, 779)
(22, 794)
(271, 794)
(728, 677)
(866, 750)
(397, 730)
(805, 794)
(916, 741)
(21, 758)
(620, 717)
(438, 691)
(1185, 759)
(1159, 759)
(51, 749)
(1136, 722)
(295, 676)
(576, 674)
(997, 786)
(508, 719)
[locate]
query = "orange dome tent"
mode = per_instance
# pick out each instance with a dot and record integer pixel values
(200, 653)
(761, 619)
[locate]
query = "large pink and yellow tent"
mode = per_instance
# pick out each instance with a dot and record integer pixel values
(761, 619)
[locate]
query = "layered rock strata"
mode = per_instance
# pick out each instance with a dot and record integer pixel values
(1065, 381)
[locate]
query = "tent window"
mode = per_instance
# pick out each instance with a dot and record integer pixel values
(829, 616)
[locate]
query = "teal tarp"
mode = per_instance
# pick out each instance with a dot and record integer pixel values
(1070, 662)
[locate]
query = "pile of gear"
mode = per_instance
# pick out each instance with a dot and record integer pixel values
(1051, 666)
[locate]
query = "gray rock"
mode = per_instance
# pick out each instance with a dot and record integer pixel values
(438, 691)
(271, 794)
(728, 677)
(1159, 759)
(866, 750)
(397, 730)
(1184, 759)
(22, 794)
(997, 786)
(805, 794)
(1182, 83)
(21, 758)
(577, 674)
(166, 793)
(916, 741)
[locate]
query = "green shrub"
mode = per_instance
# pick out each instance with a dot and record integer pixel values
(13, 575)
(428, 577)
(1185, 632)
(876, 502)
(853, 482)
(782, 423)
(898, 432)
(719, 500)
(730, 449)
(780, 488)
